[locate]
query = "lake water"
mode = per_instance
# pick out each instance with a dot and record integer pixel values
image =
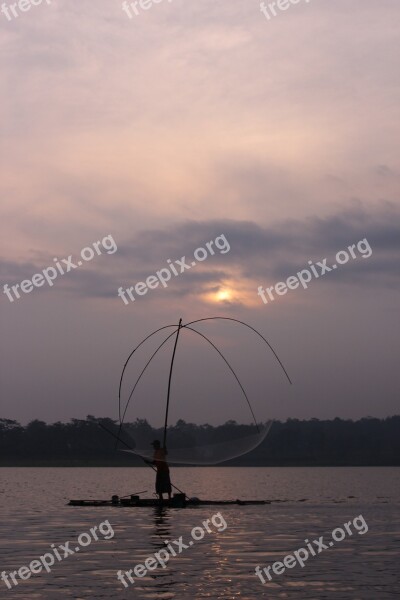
(306, 503)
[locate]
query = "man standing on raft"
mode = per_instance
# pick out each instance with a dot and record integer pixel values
(163, 482)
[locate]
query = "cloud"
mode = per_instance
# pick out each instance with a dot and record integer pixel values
(196, 110)
(257, 254)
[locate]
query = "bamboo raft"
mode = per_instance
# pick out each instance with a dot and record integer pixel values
(178, 501)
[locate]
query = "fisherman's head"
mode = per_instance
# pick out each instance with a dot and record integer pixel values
(156, 444)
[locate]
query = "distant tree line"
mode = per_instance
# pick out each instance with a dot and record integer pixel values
(337, 442)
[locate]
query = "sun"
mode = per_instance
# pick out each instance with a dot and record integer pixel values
(230, 293)
(219, 295)
(223, 295)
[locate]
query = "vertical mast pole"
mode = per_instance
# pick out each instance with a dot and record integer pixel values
(169, 383)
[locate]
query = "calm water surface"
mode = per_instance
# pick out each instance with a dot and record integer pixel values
(305, 503)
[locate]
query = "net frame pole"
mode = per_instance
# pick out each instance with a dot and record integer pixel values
(169, 383)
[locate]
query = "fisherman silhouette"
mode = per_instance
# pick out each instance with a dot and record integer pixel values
(163, 482)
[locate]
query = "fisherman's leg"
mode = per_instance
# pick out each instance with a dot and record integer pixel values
(169, 487)
(158, 493)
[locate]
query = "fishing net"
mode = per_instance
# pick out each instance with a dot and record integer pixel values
(200, 449)
(208, 416)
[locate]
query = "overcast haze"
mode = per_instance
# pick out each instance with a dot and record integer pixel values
(196, 120)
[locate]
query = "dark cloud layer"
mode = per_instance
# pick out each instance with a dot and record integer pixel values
(257, 253)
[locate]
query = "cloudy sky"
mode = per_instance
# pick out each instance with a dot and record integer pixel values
(191, 121)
